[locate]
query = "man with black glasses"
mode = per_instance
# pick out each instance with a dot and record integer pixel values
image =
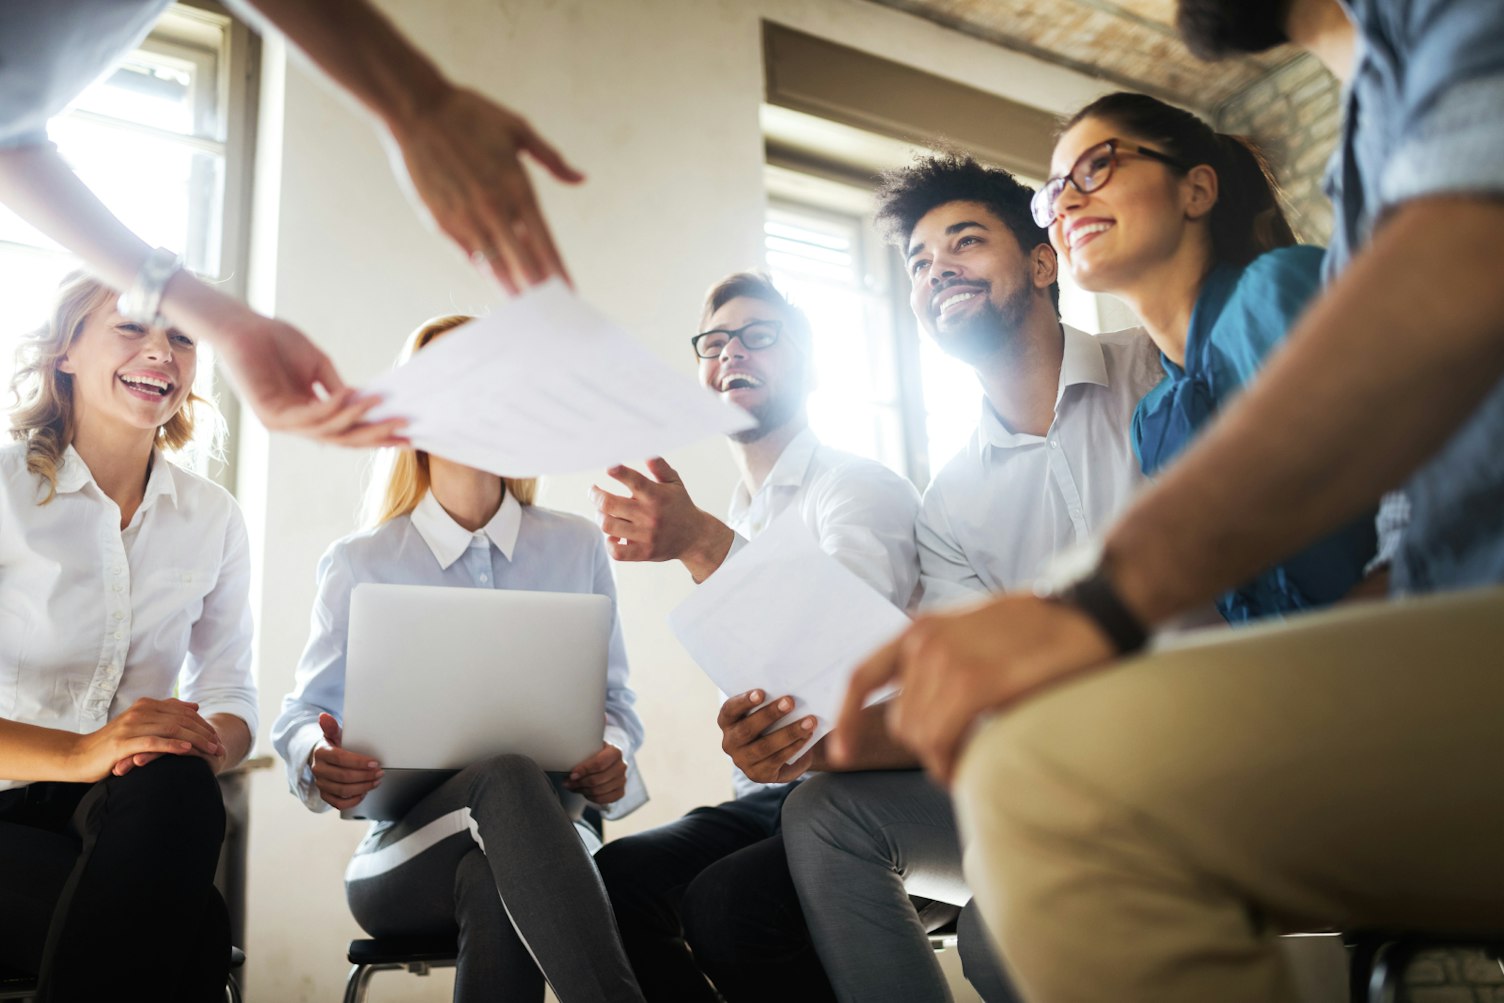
(709, 895)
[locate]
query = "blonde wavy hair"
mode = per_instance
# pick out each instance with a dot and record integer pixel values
(400, 478)
(41, 410)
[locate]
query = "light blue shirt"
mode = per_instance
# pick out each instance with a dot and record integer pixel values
(51, 50)
(522, 547)
(1424, 116)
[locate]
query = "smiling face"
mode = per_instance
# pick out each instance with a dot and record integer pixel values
(971, 285)
(769, 383)
(1140, 218)
(126, 375)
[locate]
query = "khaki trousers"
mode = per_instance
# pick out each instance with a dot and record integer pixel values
(1144, 833)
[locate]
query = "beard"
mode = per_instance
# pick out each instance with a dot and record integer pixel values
(989, 329)
(771, 415)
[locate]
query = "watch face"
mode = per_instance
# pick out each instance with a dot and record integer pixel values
(1067, 567)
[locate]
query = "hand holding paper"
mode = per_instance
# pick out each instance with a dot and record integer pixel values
(546, 385)
(783, 616)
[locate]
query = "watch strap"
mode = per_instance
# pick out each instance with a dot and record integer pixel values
(1096, 597)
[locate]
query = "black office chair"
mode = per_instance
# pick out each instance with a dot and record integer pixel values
(19, 986)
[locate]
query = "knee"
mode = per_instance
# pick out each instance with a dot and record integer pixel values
(708, 913)
(628, 870)
(512, 778)
(820, 816)
(179, 794)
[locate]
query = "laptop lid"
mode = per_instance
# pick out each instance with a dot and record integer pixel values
(440, 677)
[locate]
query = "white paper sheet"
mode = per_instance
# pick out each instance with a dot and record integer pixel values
(546, 385)
(783, 616)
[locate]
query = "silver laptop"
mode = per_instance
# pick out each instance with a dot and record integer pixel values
(438, 678)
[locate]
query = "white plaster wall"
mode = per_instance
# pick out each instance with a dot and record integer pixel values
(657, 101)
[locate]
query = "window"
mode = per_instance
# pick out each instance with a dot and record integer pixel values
(164, 142)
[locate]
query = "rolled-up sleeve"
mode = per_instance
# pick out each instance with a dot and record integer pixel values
(217, 670)
(1450, 130)
(319, 685)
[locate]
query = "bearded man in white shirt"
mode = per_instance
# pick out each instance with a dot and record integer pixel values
(709, 896)
(1049, 463)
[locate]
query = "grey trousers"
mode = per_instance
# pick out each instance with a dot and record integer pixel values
(859, 845)
(494, 854)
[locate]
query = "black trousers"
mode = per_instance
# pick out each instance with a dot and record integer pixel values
(107, 889)
(705, 906)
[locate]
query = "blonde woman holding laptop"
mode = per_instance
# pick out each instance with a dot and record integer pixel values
(492, 853)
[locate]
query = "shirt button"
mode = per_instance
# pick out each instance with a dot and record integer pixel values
(119, 636)
(117, 569)
(1054, 443)
(119, 587)
(119, 615)
(484, 578)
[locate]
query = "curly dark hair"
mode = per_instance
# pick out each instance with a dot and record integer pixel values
(904, 197)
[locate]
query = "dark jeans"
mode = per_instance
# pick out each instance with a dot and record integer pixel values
(107, 889)
(709, 896)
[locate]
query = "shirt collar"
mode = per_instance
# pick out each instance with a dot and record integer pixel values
(789, 471)
(74, 474)
(1081, 361)
(449, 540)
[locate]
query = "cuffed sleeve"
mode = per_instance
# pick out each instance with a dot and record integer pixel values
(319, 684)
(623, 727)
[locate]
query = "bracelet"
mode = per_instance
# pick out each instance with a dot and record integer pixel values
(142, 302)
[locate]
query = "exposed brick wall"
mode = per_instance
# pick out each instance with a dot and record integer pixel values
(1293, 114)
(1453, 977)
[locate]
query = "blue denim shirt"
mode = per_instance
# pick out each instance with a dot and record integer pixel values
(1425, 116)
(1241, 316)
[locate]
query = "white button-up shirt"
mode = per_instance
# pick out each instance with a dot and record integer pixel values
(522, 547)
(93, 617)
(1002, 507)
(859, 511)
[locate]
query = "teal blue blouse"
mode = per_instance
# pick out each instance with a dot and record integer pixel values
(1241, 316)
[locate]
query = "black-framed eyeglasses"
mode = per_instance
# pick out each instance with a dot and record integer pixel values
(1091, 171)
(754, 337)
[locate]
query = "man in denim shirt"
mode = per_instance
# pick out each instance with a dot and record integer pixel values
(1141, 834)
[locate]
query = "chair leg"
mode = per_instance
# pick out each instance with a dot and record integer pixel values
(359, 982)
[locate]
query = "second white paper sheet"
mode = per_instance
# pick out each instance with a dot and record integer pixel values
(783, 616)
(546, 385)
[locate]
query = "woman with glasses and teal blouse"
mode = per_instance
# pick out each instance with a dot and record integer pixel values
(1191, 236)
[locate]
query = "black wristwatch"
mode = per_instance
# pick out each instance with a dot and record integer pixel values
(1078, 578)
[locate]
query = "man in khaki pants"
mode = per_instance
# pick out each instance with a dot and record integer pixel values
(1141, 834)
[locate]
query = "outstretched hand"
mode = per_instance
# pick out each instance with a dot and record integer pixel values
(659, 521)
(463, 159)
(288, 382)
